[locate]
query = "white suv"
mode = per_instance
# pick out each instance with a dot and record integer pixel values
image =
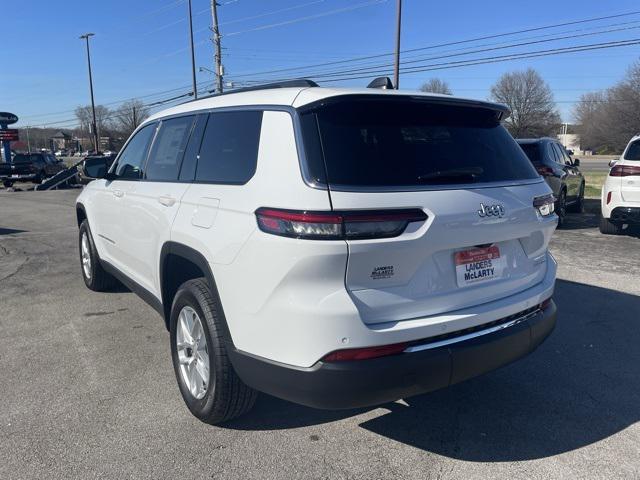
(620, 201)
(333, 247)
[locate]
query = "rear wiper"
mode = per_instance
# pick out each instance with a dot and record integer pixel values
(465, 175)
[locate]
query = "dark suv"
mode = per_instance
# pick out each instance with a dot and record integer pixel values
(559, 170)
(32, 167)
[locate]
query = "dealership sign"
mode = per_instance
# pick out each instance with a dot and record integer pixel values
(7, 118)
(9, 135)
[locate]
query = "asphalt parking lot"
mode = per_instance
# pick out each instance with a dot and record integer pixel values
(88, 390)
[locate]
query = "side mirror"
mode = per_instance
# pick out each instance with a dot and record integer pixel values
(96, 168)
(576, 162)
(570, 152)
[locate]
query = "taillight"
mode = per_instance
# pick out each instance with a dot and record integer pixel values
(608, 198)
(544, 205)
(544, 171)
(624, 171)
(338, 225)
(365, 353)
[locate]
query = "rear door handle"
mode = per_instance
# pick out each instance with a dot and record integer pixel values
(118, 193)
(166, 200)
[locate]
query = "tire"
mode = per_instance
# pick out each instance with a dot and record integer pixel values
(608, 228)
(7, 184)
(39, 177)
(561, 208)
(223, 396)
(578, 205)
(94, 276)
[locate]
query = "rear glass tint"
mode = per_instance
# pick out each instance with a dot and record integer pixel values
(413, 143)
(533, 151)
(633, 152)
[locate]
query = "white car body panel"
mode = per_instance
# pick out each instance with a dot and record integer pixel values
(625, 191)
(293, 301)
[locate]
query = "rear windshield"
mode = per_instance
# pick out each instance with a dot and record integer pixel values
(633, 152)
(409, 143)
(533, 152)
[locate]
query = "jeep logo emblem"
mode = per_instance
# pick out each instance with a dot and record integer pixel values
(491, 210)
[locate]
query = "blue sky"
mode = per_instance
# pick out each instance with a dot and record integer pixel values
(141, 46)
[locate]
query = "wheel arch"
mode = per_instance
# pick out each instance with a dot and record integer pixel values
(81, 213)
(179, 263)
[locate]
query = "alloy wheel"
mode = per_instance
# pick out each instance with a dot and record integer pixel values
(193, 352)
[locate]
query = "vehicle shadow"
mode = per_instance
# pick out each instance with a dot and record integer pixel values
(581, 386)
(590, 218)
(10, 231)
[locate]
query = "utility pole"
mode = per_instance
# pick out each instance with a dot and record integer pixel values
(94, 127)
(218, 48)
(193, 54)
(135, 116)
(28, 140)
(396, 68)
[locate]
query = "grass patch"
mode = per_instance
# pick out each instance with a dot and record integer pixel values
(593, 183)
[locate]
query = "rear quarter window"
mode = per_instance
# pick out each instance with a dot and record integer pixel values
(229, 149)
(408, 143)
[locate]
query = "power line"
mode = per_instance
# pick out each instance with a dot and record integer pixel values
(446, 44)
(500, 58)
(309, 17)
(514, 45)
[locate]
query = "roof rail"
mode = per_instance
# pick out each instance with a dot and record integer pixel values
(302, 82)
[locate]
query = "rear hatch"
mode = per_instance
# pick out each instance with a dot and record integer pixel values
(629, 172)
(455, 162)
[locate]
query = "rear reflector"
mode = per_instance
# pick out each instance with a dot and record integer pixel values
(545, 304)
(608, 198)
(339, 225)
(624, 171)
(365, 353)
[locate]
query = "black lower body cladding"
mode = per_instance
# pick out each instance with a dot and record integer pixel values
(376, 381)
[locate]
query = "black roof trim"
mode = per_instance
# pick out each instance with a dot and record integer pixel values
(299, 83)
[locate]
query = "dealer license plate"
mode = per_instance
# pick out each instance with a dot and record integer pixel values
(479, 265)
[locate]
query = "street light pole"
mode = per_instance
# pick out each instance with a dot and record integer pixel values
(94, 126)
(193, 54)
(396, 68)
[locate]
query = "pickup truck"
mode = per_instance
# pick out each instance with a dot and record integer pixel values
(30, 167)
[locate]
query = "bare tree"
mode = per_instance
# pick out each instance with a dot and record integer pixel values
(103, 118)
(435, 85)
(129, 116)
(533, 110)
(607, 119)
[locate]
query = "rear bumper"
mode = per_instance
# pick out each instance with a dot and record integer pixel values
(372, 382)
(625, 215)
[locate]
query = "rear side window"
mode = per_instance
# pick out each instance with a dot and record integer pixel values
(132, 158)
(633, 151)
(532, 150)
(229, 149)
(168, 149)
(413, 143)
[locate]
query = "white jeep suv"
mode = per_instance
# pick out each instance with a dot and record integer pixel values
(333, 247)
(620, 200)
